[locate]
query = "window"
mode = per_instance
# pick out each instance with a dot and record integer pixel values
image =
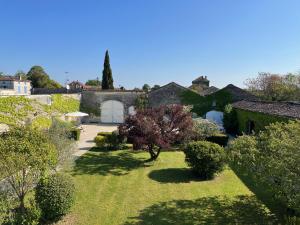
(25, 89)
(19, 89)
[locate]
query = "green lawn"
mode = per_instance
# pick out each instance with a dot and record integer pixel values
(120, 188)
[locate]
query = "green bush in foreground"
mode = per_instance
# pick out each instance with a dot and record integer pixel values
(272, 158)
(55, 196)
(205, 158)
(100, 141)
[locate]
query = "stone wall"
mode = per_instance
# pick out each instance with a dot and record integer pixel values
(91, 100)
(166, 95)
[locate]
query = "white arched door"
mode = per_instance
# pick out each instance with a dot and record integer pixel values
(112, 112)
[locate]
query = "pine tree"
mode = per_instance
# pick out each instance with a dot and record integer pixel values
(107, 79)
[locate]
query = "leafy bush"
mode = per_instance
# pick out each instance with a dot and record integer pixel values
(103, 133)
(204, 128)
(205, 158)
(100, 141)
(75, 134)
(230, 120)
(59, 135)
(55, 195)
(272, 158)
(220, 139)
(30, 216)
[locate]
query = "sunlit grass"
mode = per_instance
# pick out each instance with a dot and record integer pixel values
(120, 188)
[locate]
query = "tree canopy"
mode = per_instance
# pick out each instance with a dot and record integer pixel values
(107, 78)
(275, 87)
(95, 82)
(40, 79)
(155, 128)
(146, 88)
(25, 155)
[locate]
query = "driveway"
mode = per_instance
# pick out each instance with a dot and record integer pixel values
(88, 134)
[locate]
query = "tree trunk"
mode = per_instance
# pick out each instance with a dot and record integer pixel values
(22, 204)
(153, 155)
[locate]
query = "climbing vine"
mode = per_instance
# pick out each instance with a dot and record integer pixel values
(203, 104)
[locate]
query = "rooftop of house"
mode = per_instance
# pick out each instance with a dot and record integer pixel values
(209, 90)
(284, 109)
(12, 78)
(238, 94)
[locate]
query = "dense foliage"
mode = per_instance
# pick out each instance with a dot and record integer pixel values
(64, 104)
(25, 155)
(95, 82)
(55, 195)
(260, 120)
(204, 128)
(275, 87)
(230, 121)
(203, 104)
(272, 158)
(146, 88)
(40, 79)
(59, 134)
(110, 141)
(107, 78)
(205, 158)
(156, 128)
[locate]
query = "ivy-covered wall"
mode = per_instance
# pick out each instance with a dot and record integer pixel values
(260, 120)
(203, 104)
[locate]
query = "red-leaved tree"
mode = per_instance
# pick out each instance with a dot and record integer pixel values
(156, 128)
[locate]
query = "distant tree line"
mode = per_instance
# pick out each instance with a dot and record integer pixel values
(275, 87)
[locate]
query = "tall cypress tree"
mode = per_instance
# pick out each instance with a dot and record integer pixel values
(107, 79)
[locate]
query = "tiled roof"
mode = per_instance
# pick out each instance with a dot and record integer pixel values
(11, 78)
(238, 94)
(285, 109)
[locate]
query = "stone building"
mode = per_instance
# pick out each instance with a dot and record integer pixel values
(168, 94)
(10, 85)
(109, 106)
(253, 116)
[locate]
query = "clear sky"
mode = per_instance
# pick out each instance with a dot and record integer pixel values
(153, 41)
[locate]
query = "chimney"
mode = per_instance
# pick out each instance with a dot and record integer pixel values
(205, 77)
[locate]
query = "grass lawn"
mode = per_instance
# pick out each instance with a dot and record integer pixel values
(120, 188)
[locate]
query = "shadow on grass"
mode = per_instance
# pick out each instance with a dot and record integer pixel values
(262, 193)
(174, 175)
(106, 164)
(207, 210)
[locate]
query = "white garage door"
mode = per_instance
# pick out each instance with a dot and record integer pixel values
(112, 112)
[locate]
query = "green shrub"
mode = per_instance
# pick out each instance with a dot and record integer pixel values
(75, 134)
(103, 133)
(31, 216)
(100, 141)
(220, 139)
(55, 195)
(230, 120)
(205, 158)
(203, 128)
(272, 158)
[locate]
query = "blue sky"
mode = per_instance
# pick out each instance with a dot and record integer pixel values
(153, 41)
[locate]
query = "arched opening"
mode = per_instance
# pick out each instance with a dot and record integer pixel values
(216, 117)
(112, 111)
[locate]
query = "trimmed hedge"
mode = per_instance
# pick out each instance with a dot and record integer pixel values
(205, 158)
(220, 139)
(103, 133)
(55, 196)
(100, 141)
